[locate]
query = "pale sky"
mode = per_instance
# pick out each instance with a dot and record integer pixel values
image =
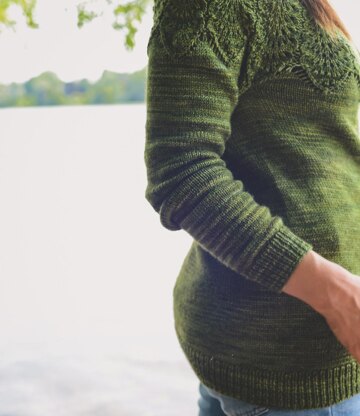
(59, 46)
(72, 53)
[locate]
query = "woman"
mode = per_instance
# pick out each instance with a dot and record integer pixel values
(252, 147)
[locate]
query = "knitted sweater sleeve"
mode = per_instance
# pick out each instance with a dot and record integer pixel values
(196, 54)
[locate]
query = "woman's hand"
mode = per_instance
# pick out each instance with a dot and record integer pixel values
(332, 291)
(343, 314)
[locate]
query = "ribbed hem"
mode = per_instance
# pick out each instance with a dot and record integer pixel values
(277, 260)
(297, 390)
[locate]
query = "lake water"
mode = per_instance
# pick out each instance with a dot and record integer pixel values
(86, 270)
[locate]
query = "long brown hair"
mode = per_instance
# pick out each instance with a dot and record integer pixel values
(325, 15)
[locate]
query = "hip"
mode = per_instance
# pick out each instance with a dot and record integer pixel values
(213, 403)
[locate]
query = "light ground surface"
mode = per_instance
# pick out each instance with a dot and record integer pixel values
(86, 270)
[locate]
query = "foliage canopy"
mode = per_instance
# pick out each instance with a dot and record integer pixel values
(126, 14)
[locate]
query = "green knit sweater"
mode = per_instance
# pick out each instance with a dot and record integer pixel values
(252, 147)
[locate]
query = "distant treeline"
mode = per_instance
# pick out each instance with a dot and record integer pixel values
(47, 89)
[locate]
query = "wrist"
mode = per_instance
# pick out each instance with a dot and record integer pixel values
(315, 281)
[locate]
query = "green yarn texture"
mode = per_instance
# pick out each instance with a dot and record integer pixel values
(253, 148)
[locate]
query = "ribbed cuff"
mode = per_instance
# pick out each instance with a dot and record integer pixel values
(277, 260)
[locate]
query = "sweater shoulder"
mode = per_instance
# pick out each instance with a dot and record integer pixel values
(225, 25)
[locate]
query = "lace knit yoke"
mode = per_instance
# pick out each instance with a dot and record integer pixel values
(252, 147)
(279, 35)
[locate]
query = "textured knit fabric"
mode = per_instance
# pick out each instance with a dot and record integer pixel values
(252, 147)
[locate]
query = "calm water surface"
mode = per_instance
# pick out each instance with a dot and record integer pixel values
(86, 270)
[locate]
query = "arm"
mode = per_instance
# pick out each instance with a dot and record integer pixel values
(192, 89)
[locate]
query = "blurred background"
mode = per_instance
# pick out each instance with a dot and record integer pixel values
(86, 269)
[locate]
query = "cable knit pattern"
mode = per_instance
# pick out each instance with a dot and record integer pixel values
(253, 148)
